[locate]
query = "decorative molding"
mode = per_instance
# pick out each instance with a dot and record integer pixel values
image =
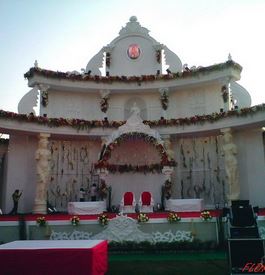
(123, 228)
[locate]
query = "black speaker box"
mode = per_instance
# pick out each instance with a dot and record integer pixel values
(242, 216)
(242, 252)
(244, 232)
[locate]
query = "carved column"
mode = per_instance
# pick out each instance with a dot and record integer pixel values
(43, 156)
(164, 101)
(231, 165)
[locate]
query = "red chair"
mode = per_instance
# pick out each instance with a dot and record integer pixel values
(128, 203)
(146, 202)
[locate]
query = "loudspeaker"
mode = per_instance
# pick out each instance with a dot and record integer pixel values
(242, 216)
(245, 251)
(244, 232)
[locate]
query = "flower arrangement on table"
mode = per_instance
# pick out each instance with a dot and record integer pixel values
(41, 221)
(206, 215)
(142, 217)
(103, 219)
(173, 217)
(75, 220)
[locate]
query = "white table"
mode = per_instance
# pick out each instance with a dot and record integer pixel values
(184, 205)
(86, 207)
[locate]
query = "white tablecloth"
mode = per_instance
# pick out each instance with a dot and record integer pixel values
(183, 205)
(87, 207)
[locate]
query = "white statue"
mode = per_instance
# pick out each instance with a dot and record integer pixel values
(231, 168)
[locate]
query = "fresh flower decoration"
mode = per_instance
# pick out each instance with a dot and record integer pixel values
(106, 153)
(103, 189)
(164, 100)
(173, 217)
(104, 104)
(158, 56)
(81, 124)
(125, 168)
(75, 220)
(142, 217)
(206, 215)
(109, 79)
(44, 98)
(224, 91)
(108, 57)
(41, 221)
(103, 219)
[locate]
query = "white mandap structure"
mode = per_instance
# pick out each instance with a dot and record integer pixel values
(135, 120)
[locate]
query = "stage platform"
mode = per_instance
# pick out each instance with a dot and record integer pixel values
(24, 226)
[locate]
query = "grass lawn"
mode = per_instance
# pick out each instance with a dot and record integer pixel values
(186, 263)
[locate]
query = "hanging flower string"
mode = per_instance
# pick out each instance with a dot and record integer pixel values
(81, 124)
(108, 58)
(158, 56)
(104, 104)
(164, 100)
(224, 92)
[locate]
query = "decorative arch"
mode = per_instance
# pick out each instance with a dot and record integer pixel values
(108, 147)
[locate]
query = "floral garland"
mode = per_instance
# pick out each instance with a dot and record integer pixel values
(125, 168)
(81, 124)
(75, 220)
(103, 219)
(41, 221)
(158, 56)
(224, 92)
(173, 217)
(108, 58)
(206, 215)
(164, 100)
(104, 104)
(142, 217)
(105, 156)
(137, 79)
(44, 99)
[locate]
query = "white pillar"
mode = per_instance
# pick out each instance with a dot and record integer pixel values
(43, 156)
(231, 165)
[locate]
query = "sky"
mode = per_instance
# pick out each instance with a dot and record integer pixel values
(64, 34)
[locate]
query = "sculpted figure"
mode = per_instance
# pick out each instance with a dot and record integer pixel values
(231, 169)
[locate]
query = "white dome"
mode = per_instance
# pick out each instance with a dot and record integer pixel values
(241, 95)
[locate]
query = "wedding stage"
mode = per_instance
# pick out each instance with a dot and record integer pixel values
(58, 225)
(68, 257)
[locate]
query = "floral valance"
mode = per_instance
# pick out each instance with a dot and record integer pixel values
(144, 78)
(81, 124)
